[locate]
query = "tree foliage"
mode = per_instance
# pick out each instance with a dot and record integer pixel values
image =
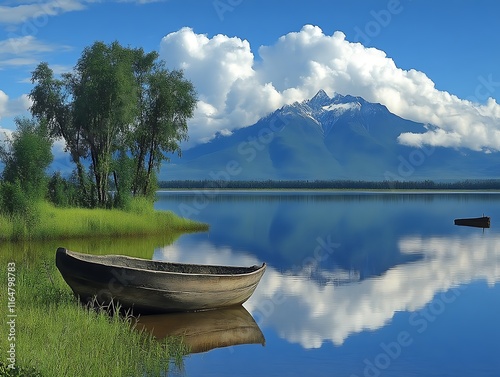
(26, 155)
(62, 192)
(121, 111)
(104, 105)
(52, 103)
(168, 103)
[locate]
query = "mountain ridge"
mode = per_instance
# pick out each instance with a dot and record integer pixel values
(338, 137)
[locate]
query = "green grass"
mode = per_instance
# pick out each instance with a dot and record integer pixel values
(66, 223)
(56, 336)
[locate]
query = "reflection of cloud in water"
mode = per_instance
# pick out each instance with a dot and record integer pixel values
(461, 259)
(305, 312)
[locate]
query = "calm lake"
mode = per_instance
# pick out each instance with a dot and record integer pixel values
(357, 283)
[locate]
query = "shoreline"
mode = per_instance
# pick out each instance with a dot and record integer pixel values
(332, 185)
(51, 321)
(73, 223)
(331, 190)
(46, 304)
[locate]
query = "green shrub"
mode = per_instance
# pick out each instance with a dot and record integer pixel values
(62, 192)
(21, 209)
(26, 155)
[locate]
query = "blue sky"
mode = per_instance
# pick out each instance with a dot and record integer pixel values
(452, 48)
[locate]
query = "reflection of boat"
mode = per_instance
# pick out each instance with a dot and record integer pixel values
(149, 286)
(479, 222)
(203, 331)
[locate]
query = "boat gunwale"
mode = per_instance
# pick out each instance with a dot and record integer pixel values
(80, 257)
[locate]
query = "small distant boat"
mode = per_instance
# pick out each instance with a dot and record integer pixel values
(478, 222)
(206, 330)
(148, 286)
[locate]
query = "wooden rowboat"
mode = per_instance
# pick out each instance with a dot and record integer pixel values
(479, 222)
(206, 330)
(147, 286)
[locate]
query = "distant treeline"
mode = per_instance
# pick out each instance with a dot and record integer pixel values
(489, 184)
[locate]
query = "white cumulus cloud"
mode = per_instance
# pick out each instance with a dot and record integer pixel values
(35, 14)
(236, 88)
(13, 107)
(25, 51)
(37, 11)
(4, 99)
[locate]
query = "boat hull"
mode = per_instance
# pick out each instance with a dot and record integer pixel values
(478, 222)
(156, 287)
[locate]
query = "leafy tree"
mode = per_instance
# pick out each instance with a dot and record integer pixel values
(168, 102)
(62, 192)
(117, 102)
(52, 104)
(105, 105)
(143, 65)
(123, 167)
(26, 155)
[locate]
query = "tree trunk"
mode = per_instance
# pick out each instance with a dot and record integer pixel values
(100, 175)
(140, 163)
(116, 182)
(150, 168)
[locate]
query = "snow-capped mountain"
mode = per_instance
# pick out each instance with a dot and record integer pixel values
(338, 137)
(326, 111)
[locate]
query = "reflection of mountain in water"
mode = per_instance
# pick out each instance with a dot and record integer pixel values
(303, 311)
(283, 227)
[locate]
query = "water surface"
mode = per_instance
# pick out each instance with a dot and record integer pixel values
(358, 283)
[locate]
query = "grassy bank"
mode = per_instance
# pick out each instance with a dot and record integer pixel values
(55, 336)
(66, 223)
